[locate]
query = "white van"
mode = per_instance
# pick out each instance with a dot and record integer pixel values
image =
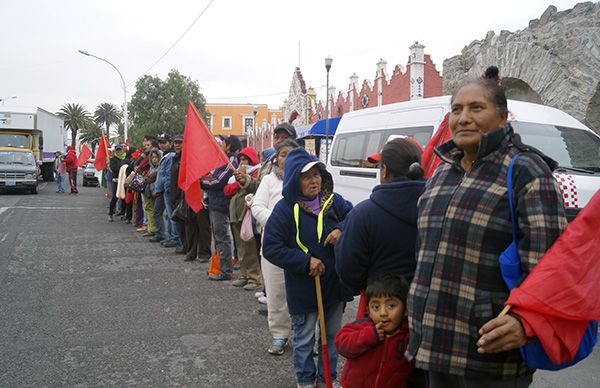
(361, 133)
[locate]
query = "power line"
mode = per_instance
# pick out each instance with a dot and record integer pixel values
(177, 41)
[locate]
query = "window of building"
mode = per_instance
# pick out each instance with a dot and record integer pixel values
(226, 122)
(210, 122)
(248, 124)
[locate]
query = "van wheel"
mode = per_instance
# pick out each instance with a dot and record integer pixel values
(34, 190)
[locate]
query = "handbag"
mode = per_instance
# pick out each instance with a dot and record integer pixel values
(137, 183)
(182, 212)
(533, 354)
(246, 231)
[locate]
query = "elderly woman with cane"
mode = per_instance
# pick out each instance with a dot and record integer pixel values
(299, 237)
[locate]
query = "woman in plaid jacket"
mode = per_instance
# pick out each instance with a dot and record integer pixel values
(464, 224)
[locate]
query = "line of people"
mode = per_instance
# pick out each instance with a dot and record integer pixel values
(423, 256)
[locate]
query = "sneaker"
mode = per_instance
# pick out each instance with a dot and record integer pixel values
(252, 286)
(259, 294)
(188, 258)
(180, 250)
(110, 219)
(169, 244)
(148, 234)
(156, 238)
(277, 346)
(240, 283)
(219, 277)
(262, 299)
(141, 229)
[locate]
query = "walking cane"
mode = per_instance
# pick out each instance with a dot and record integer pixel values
(324, 351)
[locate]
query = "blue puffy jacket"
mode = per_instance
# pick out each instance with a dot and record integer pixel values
(214, 185)
(280, 246)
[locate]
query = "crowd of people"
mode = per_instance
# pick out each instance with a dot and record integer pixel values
(422, 255)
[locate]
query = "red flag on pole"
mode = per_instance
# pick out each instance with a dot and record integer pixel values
(84, 154)
(429, 159)
(200, 155)
(560, 296)
(101, 154)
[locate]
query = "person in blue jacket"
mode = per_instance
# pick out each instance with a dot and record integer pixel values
(381, 232)
(299, 237)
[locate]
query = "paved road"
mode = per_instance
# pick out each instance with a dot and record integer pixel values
(84, 302)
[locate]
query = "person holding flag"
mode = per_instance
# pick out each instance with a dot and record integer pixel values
(464, 224)
(71, 164)
(218, 206)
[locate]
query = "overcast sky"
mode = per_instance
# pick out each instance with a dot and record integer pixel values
(237, 48)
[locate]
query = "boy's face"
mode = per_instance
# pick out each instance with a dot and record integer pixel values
(386, 309)
(154, 159)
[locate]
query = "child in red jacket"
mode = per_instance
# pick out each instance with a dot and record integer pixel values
(374, 346)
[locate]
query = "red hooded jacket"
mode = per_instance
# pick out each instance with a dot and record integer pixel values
(230, 189)
(372, 363)
(71, 158)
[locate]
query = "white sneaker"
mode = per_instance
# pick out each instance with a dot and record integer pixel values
(259, 294)
(262, 299)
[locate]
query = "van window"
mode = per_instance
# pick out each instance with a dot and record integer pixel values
(570, 147)
(353, 149)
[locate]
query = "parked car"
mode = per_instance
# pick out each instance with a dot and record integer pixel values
(18, 170)
(361, 133)
(89, 175)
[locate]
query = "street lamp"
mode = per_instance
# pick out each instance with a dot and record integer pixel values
(125, 116)
(328, 62)
(254, 111)
(3, 100)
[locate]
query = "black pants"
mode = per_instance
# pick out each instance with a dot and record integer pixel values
(113, 198)
(197, 235)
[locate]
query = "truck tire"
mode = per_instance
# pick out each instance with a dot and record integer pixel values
(48, 172)
(34, 190)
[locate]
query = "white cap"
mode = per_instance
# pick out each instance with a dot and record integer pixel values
(310, 165)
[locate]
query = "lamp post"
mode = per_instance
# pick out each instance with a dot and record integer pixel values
(3, 100)
(125, 116)
(328, 62)
(254, 111)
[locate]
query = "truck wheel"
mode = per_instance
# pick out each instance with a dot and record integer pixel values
(47, 172)
(34, 190)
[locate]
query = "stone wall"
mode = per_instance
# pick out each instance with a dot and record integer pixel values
(556, 60)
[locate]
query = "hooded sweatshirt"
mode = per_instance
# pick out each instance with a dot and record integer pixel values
(237, 205)
(280, 246)
(71, 159)
(380, 234)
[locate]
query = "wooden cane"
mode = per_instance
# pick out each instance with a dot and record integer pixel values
(324, 350)
(504, 310)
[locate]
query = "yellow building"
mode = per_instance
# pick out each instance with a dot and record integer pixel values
(239, 119)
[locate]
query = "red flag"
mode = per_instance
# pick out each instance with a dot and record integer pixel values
(560, 295)
(84, 154)
(137, 153)
(101, 154)
(200, 155)
(430, 160)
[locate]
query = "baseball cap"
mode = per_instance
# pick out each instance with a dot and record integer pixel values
(310, 165)
(178, 138)
(118, 147)
(287, 128)
(164, 137)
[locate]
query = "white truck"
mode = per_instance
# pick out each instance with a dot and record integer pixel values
(36, 129)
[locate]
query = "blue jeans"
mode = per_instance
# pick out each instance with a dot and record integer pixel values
(171, 229)
(304, 339)
(60, 182)
(158, 206)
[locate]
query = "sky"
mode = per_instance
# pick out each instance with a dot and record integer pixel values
(238, 51)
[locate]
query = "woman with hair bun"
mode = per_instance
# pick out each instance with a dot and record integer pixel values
(464, 224)
(380, 233)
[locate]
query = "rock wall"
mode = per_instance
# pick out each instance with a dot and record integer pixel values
(556, 61)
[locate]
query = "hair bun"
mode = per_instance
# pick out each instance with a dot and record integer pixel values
(492, 73)
(415, 171)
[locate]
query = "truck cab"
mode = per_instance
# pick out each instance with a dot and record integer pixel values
(18, 169)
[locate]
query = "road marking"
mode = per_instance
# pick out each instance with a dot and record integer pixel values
(3, 209)
(4, 236)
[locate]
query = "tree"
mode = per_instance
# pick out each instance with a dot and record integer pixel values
(75, 117)
(107, 114)
(159, 106)
(91, 134)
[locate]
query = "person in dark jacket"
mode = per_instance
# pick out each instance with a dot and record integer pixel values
(299, 237)
(218, 206)
(115, 163)
(176, 194)
(381, 232)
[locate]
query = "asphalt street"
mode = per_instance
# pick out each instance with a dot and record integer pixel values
(85, 302)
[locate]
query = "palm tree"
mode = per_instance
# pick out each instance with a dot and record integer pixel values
(107, 114)
(91, 134)
(75, 117)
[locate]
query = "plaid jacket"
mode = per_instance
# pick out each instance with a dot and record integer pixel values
(464, 224)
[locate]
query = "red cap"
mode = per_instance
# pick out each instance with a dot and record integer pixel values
(375, 158)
